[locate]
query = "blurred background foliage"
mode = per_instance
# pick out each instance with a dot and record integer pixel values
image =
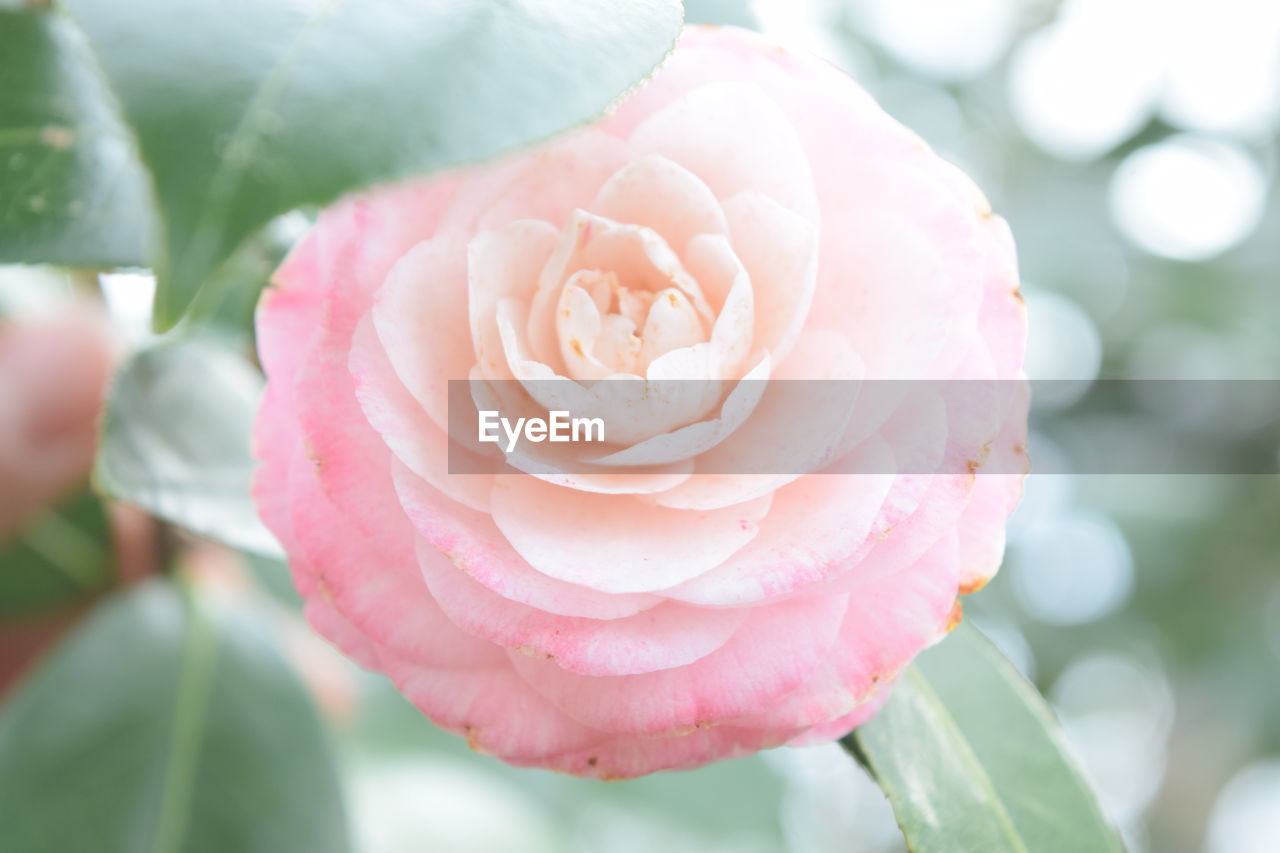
(1132, 145)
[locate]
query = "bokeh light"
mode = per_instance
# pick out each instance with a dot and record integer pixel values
(1224, 74)
(1085, 83)
(1188, 197)
(949, 39)
(443, 806)
(1118, 711)
(1246, 818)
(1072, 572)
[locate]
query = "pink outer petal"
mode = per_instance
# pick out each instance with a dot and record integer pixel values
(982, 527)
(888, 623)
(493, 709)
(325, 619)
(1002, 324)
(305, 315)
(354, 244)
(373, 582)
(288, 318)
(499, 714)
(628, 756)
(660, 194)
(608, 542)
(663, 637)
(472, 541)
(275, 439)
(940, 505)
(779, 645)
(414, 438)
(841, 726)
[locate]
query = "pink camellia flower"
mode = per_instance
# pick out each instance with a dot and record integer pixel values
(749, 212)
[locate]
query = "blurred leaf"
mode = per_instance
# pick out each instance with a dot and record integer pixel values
(274, 578)
(71, 189)
(227, 303)
(738, 13)
(159, 727)
(62, 555)
(971, 758)
(175, 440)
(245, 109)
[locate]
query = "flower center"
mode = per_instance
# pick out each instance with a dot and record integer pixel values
(606, 327)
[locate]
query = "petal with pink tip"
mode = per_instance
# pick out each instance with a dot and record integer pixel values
(662, 637)
(422, 321)
(780, 645)
(493, 709)
(369, 582)
(628, 756)
(616, 543)
(887, 624)
(412, 436)
(817, 526)
(472, 541)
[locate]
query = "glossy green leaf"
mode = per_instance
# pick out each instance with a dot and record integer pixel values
(71, 189)
(62, 555)
(158, 727)
(971, 758)
(244, 109)
(175, 440)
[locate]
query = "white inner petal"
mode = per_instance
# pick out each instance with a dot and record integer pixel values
(622, 300)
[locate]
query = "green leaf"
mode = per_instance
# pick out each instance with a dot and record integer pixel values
(274, 578)
(971, 758)
(71, 189)
(157, 727)
(62, 555)
(738, 13)
(245, 109)
(175, 440)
